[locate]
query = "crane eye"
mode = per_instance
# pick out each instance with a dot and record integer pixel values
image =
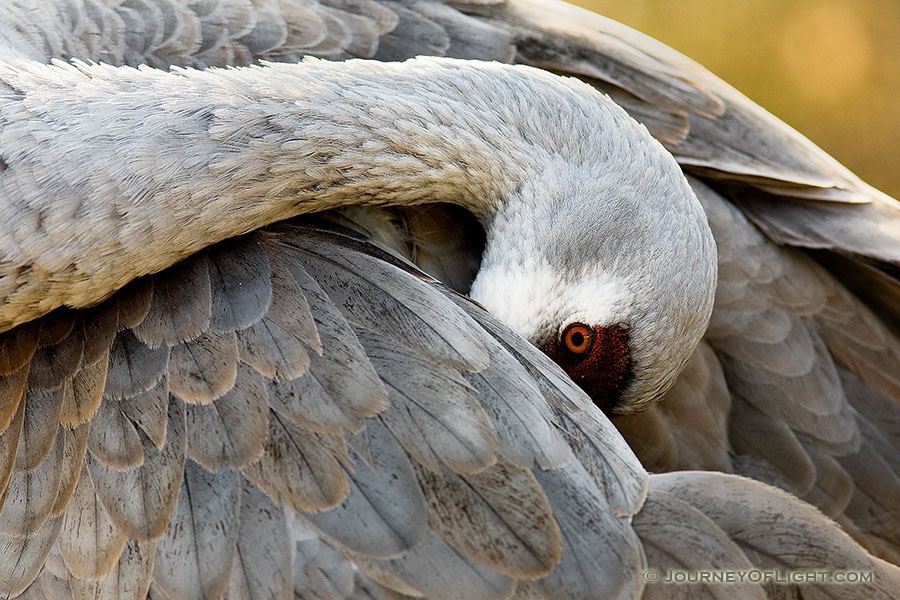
(578, 338)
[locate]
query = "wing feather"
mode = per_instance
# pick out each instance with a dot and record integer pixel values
(75, 443)
(129, 579)
(499, 517)
(181, 306)
(114, 440)
(299, 468)
(384, 513)
(262, 561)
(193, 558)
(320, 571)
(52, 363)
(329, 393)
(240, 284)
(83, 393)
(587, 523)
(437, 570)
(432, 414)
(280, 342)
(42, 411)
(134, 367)
(89, 542)
(688, 429)
(17, 346)
(141, 500)
(32, 493)
(401, 311)
(677, 536)
(22, 557)
(231, 430)
(12, 392)
(9, 446)
(149, 411)
(775, 529)
(204, 369)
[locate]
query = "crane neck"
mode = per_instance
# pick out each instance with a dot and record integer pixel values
(111, 173)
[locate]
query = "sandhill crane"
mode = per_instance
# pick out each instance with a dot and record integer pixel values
(206, 395)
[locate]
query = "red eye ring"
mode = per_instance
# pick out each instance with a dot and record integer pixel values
(578, 338)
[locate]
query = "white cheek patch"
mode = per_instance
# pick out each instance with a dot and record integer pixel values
(539, 301)
(598, 299)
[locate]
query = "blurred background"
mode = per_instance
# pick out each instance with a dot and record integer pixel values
(829, 68)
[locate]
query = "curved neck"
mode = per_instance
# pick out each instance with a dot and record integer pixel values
(118, 172)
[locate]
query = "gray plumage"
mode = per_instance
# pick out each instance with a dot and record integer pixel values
(301, 411)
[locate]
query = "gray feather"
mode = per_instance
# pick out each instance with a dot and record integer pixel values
(82, 393)
(149, 411)
(384, 513)
(193, 558)
(757, 434)
(875, 504)
(300, 468)
(32, 494)
(499, 517)
(133, 302)
(12, 392)
(134, 367)
(53, 586)
(17, 345)
(675, 535)
(240, 284)
(203, 369)
(320, 571)
(432, 414)
(834, 486)
(232, 429)
(276, 345)
(51, 364)
(382, 297)
(600, 550)
(854, 229)
(42, 408)
(140, 501)
(325, 398)
(558, 388)
(436, 570)
(113, 439)
(9, 444)
(269, 33)
(56, 327)
(99, 326)
(607, 458)
(35, 591)
(775, 529)
(22, 557)
(74, 447)
(469, 37)
(261, 567)
(181, 304)
(89, 542)
(415, 34)
(523, 420)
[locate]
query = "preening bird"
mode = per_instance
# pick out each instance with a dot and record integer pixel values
(237, 358)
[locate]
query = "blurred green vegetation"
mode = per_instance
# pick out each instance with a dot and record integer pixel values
(829, 68)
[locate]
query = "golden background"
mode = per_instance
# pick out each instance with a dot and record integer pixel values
(829, 68)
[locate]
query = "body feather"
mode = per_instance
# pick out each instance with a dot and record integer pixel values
(280, 414)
